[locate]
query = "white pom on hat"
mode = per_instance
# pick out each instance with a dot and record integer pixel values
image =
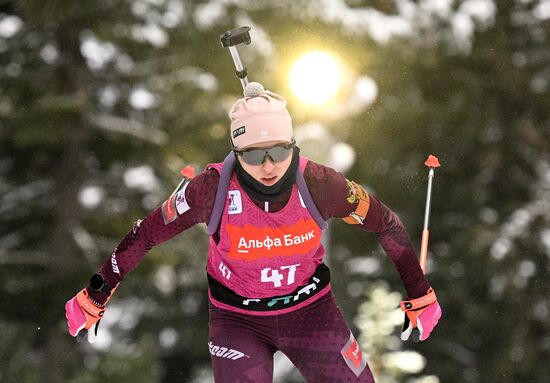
(253, 89)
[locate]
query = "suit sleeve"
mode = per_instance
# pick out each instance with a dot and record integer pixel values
(197, 199)
(337, 197)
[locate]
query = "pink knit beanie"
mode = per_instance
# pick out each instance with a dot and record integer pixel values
(260, 116)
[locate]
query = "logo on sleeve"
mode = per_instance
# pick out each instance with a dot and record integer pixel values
(235, 202)
(114, 264)
(181, 203)
(176, 204)
(169, 213)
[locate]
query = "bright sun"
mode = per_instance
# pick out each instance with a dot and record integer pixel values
(315, 77)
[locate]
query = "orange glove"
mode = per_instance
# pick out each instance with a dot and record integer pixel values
(421, 316)
(83, 313)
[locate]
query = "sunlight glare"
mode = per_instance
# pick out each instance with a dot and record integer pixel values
(315, 77)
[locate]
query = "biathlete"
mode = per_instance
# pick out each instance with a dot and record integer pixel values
(268, 287)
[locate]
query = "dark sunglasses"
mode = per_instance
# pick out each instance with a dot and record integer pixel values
(256, 156)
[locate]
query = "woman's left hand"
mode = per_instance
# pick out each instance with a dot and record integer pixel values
(421, 316)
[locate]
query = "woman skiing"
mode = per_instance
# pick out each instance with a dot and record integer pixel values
(269, 289)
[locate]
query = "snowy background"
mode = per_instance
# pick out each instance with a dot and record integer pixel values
(103, 102)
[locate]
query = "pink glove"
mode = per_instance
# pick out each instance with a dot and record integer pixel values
(421, 316)
(428, 320)
(75, 317)
(82, 314)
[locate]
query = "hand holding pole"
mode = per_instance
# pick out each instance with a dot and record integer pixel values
(422, 314)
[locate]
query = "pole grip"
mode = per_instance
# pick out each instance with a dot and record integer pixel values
(424, 249)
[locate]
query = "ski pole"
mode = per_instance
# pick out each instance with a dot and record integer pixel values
(410, 325)
(432, 162)
(230, 39)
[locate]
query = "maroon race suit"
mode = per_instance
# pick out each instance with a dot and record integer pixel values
(315, 337)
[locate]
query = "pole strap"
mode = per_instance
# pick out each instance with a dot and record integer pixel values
(419, 303)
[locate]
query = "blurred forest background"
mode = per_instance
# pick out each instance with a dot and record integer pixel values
(102, 102)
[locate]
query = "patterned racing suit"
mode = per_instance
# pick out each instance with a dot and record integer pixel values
(269, 289)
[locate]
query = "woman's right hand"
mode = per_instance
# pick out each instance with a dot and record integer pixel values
(82, 314)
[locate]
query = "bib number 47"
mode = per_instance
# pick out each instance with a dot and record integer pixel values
(276, 276)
